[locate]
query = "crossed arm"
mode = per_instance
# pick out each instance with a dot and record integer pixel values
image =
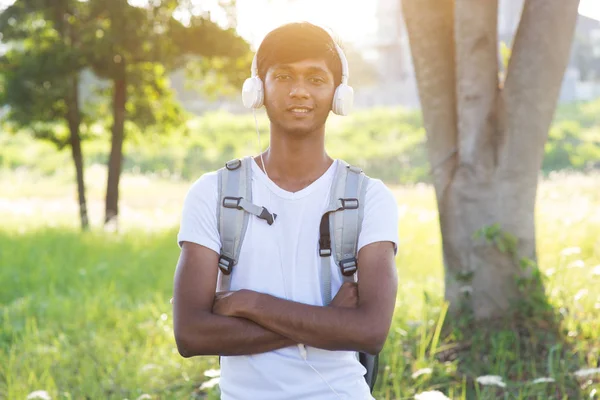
(248, 322)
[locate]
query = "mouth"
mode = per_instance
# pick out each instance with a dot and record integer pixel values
(299, 110)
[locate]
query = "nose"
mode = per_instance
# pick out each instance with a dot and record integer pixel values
(299, 91)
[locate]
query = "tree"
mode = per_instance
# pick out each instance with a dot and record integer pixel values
(41, 75)
(486, 137)
(135, 48)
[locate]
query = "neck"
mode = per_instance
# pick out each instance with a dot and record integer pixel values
(295, 162)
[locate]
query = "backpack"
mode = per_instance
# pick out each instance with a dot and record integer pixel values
(343, 217)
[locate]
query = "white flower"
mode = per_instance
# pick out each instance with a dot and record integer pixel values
(149, 367)
(210, 383)
(39, 394)
(145, 396)
(491, 380)
(576, 264)
(422, 371)
(581, 294)
(587, 372)
(570, 251)
(543, 380)
(431, 395)
(212, 373)
(596, 270)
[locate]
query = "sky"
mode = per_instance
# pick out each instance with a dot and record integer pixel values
(352, 20)
(590, 8)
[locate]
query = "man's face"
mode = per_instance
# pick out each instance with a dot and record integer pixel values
(298, 95)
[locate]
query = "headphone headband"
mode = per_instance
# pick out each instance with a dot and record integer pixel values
(341, 56)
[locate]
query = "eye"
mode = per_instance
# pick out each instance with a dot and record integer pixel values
(282, 77)
(317, 80)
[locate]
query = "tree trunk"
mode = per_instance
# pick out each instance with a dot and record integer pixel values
(116, 153)
(73, 117)
(485, 143)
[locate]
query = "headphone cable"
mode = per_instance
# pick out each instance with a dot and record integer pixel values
(301, 347)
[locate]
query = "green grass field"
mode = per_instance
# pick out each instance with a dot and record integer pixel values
(87, 316)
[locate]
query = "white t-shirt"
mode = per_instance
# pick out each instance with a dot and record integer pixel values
(282, 260)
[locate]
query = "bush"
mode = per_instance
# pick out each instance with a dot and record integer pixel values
(388, 143)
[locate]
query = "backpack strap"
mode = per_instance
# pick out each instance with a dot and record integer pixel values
(347, 225)
(233, 213)
(347, 194)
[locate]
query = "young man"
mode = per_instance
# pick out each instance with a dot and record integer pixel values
(276, 337)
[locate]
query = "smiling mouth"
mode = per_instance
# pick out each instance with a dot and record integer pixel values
(299, 112)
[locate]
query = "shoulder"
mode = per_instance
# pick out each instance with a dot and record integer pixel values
(206, 185)
(378, 191)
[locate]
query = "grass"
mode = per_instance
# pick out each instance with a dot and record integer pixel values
(87, 316)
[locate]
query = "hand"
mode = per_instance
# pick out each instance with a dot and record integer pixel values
(347, 296)
(228, 304)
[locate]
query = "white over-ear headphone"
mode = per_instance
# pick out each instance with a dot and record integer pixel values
(253, 91)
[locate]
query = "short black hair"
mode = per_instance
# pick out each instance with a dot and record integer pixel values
(298, 41)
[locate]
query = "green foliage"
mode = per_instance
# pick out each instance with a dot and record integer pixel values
(574, 138)
(389, 143)
(52, 42)
(529, 279)
(20, 151)
(141, 45)
(505, 53)
(41, 67)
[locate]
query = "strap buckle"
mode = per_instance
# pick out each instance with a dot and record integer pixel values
(356, 170)
(226, 264)
(267, 216)
(233, 164)
(232, 202)
(348, 266)
(325, 252)
(325, 246)
(349, 204)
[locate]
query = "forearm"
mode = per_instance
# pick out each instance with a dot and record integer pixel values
(226, 336)
(330, 328)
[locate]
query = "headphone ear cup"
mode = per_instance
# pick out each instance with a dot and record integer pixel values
(343, 99)
(253, 92)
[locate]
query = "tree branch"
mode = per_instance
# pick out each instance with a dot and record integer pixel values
(431, 34)
(539, 57)
(475, 33)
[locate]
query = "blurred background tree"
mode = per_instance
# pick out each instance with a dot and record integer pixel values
(41, 74)
(132, 47)
(486, 137)
(135, 48)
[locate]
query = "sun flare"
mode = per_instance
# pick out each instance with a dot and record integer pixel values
(352, 21)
